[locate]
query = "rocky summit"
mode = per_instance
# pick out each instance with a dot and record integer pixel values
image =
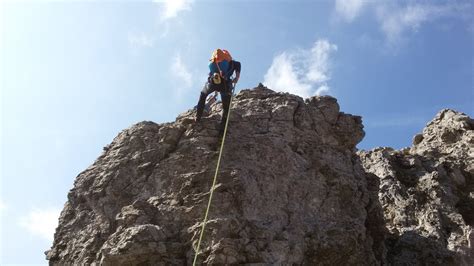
(292, 190)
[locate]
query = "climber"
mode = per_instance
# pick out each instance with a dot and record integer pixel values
(220, 79)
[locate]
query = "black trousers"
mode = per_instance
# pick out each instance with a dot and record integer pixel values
(225, 89)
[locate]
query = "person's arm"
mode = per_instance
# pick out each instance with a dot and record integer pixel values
(237, 76)
(237, 71)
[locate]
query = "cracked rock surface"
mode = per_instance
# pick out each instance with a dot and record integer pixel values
(291, 190)
(427, 193)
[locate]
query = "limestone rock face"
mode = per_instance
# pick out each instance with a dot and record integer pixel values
(427, 193)
(291, 189)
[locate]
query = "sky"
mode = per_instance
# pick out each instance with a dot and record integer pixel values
(73, 74)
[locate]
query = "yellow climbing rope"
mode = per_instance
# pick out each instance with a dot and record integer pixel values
(213, 182)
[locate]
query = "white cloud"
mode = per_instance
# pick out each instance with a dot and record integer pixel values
(318, 68)
(398, 18)
(171, 8)
(41, 222)
(322, 90)
(349, 9)
(282, 76)
(137, 40)
(397, 21)
(181, 74)
(300, 72)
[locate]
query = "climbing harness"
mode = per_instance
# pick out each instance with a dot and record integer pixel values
(216, 79)
(215, 179)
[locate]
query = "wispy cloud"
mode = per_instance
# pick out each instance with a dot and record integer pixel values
(397, 19)
(323, 89)
(349, 9)
(181, 73)
(41, 222)
(171, 8)
(302, 72)
(141, 39)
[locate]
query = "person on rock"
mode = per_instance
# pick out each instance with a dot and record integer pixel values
(220, 79)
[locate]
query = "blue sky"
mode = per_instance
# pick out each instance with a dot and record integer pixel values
(75, 73)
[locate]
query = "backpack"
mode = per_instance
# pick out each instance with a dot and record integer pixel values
(220, 55)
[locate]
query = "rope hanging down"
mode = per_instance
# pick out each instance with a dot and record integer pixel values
(214, 181)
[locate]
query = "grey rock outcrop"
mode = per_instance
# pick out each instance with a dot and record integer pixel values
(292, 189)
(427, 193)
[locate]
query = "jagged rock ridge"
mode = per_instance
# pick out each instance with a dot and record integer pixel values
(291, 190)
(427, 193)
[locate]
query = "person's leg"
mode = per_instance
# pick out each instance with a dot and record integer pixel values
(206, 90)
(225, 96)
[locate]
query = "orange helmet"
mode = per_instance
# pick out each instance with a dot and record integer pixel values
(220, 55)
